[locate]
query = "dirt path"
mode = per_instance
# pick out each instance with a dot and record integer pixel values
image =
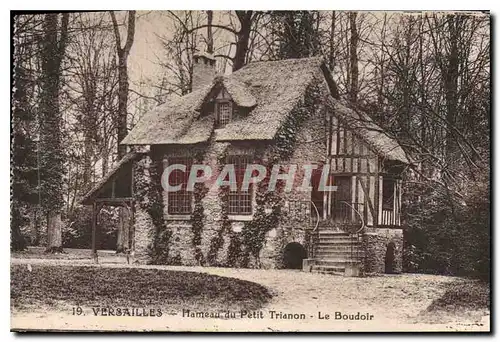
(396, 303)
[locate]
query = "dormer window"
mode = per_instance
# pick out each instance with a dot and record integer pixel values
(223, 108)
(223, 112)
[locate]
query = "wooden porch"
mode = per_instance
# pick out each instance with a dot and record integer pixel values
(116, 189)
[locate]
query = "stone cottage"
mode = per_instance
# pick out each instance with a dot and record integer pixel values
(269, 113)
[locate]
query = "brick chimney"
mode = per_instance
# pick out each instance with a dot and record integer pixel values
(203, 70)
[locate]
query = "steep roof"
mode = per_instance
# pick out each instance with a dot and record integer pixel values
(271, 89)
(278, 86)
(363, 126)
(94, 192)
(169, 122)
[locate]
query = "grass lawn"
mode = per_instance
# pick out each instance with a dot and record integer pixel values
(463, 294)
(56, 286)
(466, 298)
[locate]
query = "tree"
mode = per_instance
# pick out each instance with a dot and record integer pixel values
(24, 171)
(122, 54)
(241, 32)
(123, 242)
(23, 162)
(177, 52)
(51, 164)
(91, 82)
(353, 58)
(296, 33)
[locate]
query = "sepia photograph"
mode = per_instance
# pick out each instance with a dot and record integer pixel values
(250, 171)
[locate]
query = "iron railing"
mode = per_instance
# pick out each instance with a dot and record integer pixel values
(356, 234)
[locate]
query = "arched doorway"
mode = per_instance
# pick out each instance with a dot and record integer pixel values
(293, 254)
(390, 258)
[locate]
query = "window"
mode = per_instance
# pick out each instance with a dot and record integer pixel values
(239, 201)
(223, 113)
(388, 193)
(342, 212)
(179, 202)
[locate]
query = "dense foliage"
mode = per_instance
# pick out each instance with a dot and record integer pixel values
(444, 237)
(424, 78)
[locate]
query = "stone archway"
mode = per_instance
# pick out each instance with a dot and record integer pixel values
(390, 258)
(293, 254)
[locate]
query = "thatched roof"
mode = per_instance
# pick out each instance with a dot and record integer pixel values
(239, 92)
(271, 89)
(94, 192)
(363, 126)
(167, 123)
(278, 87)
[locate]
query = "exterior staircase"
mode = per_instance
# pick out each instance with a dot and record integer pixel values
(334, 251)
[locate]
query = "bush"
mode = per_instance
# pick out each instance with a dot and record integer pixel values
(78, 231)
(448, 235)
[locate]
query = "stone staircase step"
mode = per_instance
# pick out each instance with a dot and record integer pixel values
(338, 262)
(328, 270)
(338, 241)
(332, 232)
(335, 247)
(335, 254)
(335, 250)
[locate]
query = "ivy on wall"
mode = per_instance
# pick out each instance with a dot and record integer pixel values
(268, 212)
(198, 214)
(218, 241)
(149, 195)
(225, 227)
(286, 137)
(267, 216)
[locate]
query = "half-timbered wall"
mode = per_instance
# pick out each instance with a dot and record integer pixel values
(349, 155)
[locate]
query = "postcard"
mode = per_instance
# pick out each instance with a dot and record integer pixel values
(250, 171)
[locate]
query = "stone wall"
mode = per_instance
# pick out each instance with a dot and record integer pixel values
(143, 233)
(308, 148)
(181, 241)
(181, 247)
(142, 224)
(291, 229)
(375, 243)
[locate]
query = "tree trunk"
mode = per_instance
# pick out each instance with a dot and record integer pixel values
(451, 86)
(331, 55)
(17, 241)
(124, 231)
(210, 39)
(51, 150)
(353, 58)
(122, 243)
(122, 54)
(122, 104)
(243, 36)
(54, 232)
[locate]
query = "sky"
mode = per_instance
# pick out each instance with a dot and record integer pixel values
(147, 50)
